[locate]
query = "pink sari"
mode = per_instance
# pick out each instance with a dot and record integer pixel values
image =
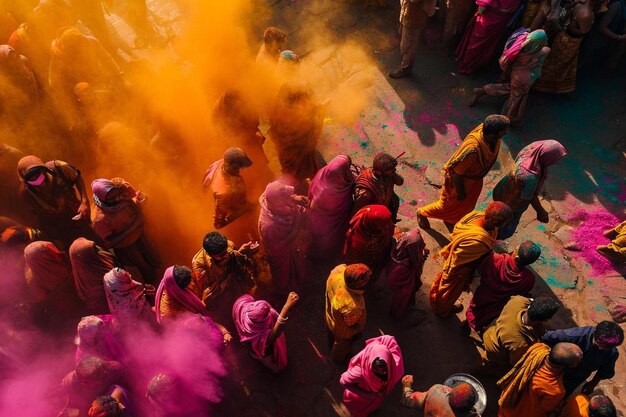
(360, 372)
(184, 296)
(481, 39)
(95, 336)
(254, 321)
(330, 194)
(404, 270)
(90, 263)
(126, 298)
(281, 228)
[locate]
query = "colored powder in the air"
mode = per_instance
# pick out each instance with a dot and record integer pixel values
(588, 234)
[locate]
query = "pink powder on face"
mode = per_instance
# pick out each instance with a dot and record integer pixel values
(588, 234)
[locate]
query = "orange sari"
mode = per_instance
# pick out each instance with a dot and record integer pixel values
(470, 242)
(472, 161)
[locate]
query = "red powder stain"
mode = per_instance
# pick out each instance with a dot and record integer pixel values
(588, 235)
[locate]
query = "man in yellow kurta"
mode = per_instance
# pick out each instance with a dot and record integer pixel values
(534, 387)
(464, 172)
(472, 238)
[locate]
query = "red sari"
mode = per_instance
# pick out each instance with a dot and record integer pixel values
(481, 40)
(368, 240)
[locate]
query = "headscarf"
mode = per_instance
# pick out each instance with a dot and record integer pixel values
(94, 337)
(27, 163)
(535, 41)
(277, 203)
(126, 298)
(513, 47)
(539, 155)
(255, 321)
(360, 372)
(288, 56)
(369, 235)
(184, 296)
(101, 188)
(330, 193)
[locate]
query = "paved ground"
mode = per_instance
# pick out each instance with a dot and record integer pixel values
(426, 116)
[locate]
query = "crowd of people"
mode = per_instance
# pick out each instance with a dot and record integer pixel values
(543, 43)
(83, 256)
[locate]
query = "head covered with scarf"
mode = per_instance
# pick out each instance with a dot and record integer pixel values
(538, 156)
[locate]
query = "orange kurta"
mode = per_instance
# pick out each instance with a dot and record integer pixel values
(472, 161)
(469, 243)
(542, 393)
(577, 406)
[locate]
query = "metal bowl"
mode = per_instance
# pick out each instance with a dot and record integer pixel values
(481, 404)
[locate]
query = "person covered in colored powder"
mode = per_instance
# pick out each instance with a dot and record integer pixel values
(375, 185)
(345, 307)
(502, 275)
(118, 221)
(472, 238)
(330, 194)
(369, 238)
(274, 40)
(50, 191)
(221, 274)
(404, 270)
(261, 327)
(521, 62)
(534, 386)
(599, 345)
(582, 406)
(464, 173)
(521, 187)
(440, 400)
(371, 376)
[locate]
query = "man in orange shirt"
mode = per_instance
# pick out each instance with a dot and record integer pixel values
(581, 406)
(464, 172)
(472, 238)
(534, 387)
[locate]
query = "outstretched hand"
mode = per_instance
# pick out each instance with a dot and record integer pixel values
(249, 248)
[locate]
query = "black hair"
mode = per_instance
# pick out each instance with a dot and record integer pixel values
(528, 252)
(182, 276)
(609, 333)
(601, 406)
(214, 243)
(542, 308)
(463, 397)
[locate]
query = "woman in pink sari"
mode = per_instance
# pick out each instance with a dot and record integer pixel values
(96, 336)
(330, 194)
(371, 375)
(282, 225)
(89, 263)
(482, 36)
(404, 270)
(261, 327)
(127, 297)
(174, 299)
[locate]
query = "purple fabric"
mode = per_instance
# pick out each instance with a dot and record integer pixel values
(280, 227)
(513, 50)
(210, 173)
(185, 296)
(360, 372)
(539, 155)
(254, 321)
(101, 188)
(330, 194)
(404, 270)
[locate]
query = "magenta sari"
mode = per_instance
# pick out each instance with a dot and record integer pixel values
(360, 372)
(500, 279)
(330, 194)
(184, 296)
(481, 40)
(254, 321)
(95, 336)
(281, 226)
(404, 270)
(126, 297)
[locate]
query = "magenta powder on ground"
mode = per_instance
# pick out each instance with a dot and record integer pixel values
(588, 234)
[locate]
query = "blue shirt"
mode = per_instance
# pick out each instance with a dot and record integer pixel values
(594, 359)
